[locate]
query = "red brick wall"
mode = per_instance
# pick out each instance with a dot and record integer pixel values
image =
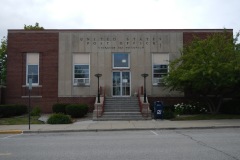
(167, 101)
(189, 36)
(46, 44)
(2, 94)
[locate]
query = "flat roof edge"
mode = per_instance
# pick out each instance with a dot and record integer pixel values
(115, 30)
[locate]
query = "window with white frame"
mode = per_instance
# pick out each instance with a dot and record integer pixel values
(81, 69)
(160, 67)
(121, 60)
(32, 70)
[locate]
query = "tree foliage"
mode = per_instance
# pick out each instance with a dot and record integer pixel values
(209, 68)
(31, 27)
(3, 61)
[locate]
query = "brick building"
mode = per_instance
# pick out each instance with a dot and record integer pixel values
(63, 63)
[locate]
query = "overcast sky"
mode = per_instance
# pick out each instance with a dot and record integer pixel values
(120, 14)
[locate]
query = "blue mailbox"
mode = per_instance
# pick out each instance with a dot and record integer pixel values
(158, 110)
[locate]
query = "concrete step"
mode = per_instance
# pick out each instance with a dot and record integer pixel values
(112, 103)
(122, 113)
(122, 118)
(121, 108)
(116, 100)
(122, 103)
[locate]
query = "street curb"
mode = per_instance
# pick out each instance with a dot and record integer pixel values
(128, 129)
(11, 131)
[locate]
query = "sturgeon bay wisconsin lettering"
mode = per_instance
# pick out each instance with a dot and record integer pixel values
(127, 43)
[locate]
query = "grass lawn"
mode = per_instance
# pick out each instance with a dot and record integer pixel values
(206, 117)
(19, 120)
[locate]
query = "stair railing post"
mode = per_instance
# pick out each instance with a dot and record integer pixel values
(98, 75)
(144, 75)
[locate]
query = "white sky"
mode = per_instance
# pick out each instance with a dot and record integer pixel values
(120, 14)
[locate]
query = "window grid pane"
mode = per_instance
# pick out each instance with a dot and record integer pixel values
(121, 60)
(81, 74)
(159, 71)
(32, 73)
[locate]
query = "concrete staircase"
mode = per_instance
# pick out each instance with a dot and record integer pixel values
(121, 108)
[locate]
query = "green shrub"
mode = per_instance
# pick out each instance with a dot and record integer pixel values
(193, 108)
(85, 108)
(231, 107)
(77, 110)
(59, 108)
(36, 111)
(7, 110)
(21, 109)
(168, 112)
(59, 118)
(12, 110)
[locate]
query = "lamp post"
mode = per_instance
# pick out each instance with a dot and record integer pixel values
(98, 75)
(144, 75)
(29, 101)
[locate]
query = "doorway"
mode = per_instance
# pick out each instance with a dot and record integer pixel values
(121, 83)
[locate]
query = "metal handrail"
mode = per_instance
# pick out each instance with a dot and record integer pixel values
(139, 100)
(103, 101)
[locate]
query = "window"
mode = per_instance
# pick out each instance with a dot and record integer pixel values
(121, 60)
(81, 74)
(81, 69)
(32, 68)
(160, 67)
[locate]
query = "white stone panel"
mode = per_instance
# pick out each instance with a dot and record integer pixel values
(100, 45)
(81, 58)
(32, 58)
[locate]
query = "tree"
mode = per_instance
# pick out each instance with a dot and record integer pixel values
(36, 27)
(208, 68)
(3, 61)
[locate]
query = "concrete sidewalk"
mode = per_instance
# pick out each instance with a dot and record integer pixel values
(90, 125)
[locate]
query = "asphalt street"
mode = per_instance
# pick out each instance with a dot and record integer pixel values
(196, 144)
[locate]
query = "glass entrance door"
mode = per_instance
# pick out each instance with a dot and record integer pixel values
(121, 83)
